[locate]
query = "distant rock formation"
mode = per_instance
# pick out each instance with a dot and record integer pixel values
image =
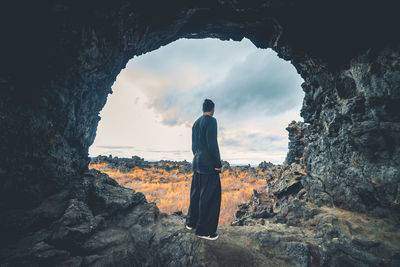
(263, 166)
(127, 164)
(121, 164)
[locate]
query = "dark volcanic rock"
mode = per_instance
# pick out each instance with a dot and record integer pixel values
(352, 152)
(296, 142)
(127, 164)
(61, 59)
(263, 166)
(318, 235)
(284, 184)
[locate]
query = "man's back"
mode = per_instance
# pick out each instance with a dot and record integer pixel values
(205, 145)
(205, 189)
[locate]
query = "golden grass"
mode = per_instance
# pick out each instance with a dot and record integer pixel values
(170, 190)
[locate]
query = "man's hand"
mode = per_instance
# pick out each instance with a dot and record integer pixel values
(218, 169)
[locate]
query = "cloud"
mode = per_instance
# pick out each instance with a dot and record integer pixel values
(242, 81)
(231, 142)
(116, 147)
(204, 54)
(262, 85)
(255, 141)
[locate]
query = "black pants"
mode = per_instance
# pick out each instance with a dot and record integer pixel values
(205, 203)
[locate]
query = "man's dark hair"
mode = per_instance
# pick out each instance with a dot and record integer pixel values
(207, 105)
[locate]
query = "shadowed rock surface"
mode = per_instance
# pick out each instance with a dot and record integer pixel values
(59, 61)
(318, 235)
(99, 223)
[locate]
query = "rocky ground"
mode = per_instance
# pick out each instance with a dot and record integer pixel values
(96, 222)
(322, 235)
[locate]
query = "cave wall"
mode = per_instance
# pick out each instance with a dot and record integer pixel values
(353, 149)
(62, 58)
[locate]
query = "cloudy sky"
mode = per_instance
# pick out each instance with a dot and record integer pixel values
(159, 95)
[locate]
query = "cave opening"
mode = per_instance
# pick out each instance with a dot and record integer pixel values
(56, 212)
(154, 101)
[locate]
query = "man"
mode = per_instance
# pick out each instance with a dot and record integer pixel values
(205, 191)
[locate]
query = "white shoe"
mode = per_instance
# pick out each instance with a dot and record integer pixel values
(209, 237)
(188, 227)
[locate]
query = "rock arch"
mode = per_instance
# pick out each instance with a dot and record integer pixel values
(71, 53)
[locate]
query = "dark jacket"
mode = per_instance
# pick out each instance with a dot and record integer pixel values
(205, 145)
